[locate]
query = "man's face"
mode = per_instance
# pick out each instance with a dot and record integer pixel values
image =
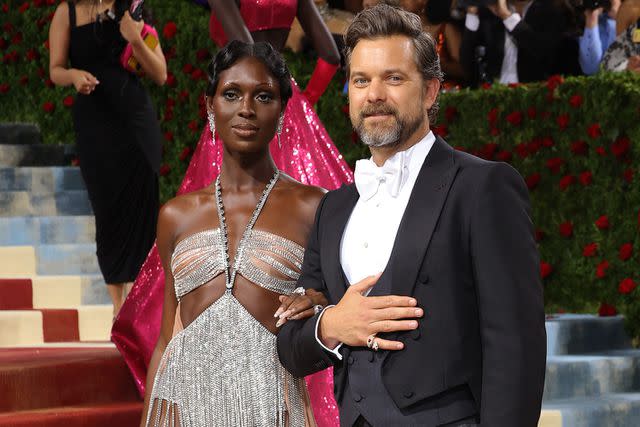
(387, 99)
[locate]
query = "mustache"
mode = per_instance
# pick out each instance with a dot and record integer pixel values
(371, 110)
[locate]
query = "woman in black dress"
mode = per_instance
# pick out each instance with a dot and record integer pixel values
(117, 132)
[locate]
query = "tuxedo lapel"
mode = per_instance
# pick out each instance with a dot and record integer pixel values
(336, 223)
(420, 217)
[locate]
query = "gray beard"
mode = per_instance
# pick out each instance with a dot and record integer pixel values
(399, 133)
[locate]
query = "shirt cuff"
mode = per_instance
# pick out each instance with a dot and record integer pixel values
(511, 22)
(472, 22)
(335, 351)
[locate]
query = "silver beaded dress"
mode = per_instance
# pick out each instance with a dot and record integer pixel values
(223, 368)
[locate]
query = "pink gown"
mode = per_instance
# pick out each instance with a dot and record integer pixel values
(308, 155)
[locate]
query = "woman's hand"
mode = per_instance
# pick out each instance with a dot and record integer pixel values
(130, 28)
(295, 306)
(84, 81)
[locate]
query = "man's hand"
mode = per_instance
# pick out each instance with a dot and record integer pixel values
(500, 9)
(356, 317)
(591, 17)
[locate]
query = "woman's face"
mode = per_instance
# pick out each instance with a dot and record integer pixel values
(246, 106)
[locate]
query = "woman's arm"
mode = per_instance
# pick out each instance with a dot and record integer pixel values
(165, 241)
(153, 61)
(228, 14)
(59, 34)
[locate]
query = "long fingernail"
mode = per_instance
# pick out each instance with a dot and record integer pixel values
(278, 313)
(280, 322)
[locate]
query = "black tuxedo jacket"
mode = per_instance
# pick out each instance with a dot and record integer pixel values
(544, 37)
(465, 250)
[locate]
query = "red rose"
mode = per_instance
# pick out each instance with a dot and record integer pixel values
(486, 86)
(523, 150)
(594, 131)
(168, 136)
(504, 156)
(8, 27)
(575, 101)
(183, 95)
(170, 29)
(627, 175)
(579, 148)
(441, 130)
(535, 145)
(450, 113)
(203, 55)
(31, 54)
(164, 170)
(554, 164)
(38, 3)
(621, 146)
(566, 181)
(533, 180)
(198, 74)
(563, 121)
(170, 102)
(186, 152)
(51, 2)
(601, 151)
(590, 250)
(187, 68)
(566, 229)
(545, 269)
(17, 38)
(48, 107)
(68, 101)
(601, 269)
(23, 7)
(4, 88)
(547, 142)
(586, 178)
(494, 131)
(626, 251)
(492, 116)
(532, 113)
(626, 286)
(488, 150)
(171, 79)
(606, 310)
(515, 118)
(193, 125)
(602, 223)
(554, 81)
(168, 115)
(539, 235)
(24, 80)
(5, 8)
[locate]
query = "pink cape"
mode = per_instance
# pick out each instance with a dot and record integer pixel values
(308, 155)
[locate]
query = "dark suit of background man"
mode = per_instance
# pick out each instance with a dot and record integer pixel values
(457, 314)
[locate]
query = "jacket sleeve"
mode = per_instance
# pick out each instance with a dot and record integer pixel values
(298, 350)
(509, 292)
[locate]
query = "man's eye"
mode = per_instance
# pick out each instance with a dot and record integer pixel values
(359, 81)
(395, 78)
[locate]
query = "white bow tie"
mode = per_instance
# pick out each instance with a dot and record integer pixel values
(369, 177)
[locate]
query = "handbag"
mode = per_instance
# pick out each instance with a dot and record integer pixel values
(149, 36)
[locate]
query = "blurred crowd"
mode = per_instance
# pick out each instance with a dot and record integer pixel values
(514, 41)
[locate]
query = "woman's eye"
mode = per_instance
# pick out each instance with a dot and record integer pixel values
(265, 97)
(230, 96)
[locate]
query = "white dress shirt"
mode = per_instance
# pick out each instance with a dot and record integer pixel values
(371, 231)
(509, 70)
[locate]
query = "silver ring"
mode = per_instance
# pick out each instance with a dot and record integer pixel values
(299, 291)
(375, 346)
(317, 309)
(370, 340)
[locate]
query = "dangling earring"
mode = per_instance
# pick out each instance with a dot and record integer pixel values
(279, 129)
(212, 124)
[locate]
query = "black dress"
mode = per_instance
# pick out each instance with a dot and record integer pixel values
(118, 140)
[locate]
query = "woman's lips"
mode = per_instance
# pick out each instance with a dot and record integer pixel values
(245, 130)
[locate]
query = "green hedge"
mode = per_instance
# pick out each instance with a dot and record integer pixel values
(575, 141)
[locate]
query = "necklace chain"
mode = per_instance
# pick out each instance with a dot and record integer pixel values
(230, 273)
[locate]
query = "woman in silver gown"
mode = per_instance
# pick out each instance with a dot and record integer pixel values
(230, 251)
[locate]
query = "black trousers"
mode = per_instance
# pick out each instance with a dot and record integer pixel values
(467, 422)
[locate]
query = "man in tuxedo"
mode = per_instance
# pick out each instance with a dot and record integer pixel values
(451, 333)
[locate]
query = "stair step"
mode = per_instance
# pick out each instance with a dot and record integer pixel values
(34, 230)
(125, 414)
(52, 292)
(610, 410)
(67, 259)
(40, 378)
(584, 333)
(20, 133)
(35, 155)
(17, 261)
(37, 326)
(41, 179)
(592, 375)
(24, 203)
(16, 294)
